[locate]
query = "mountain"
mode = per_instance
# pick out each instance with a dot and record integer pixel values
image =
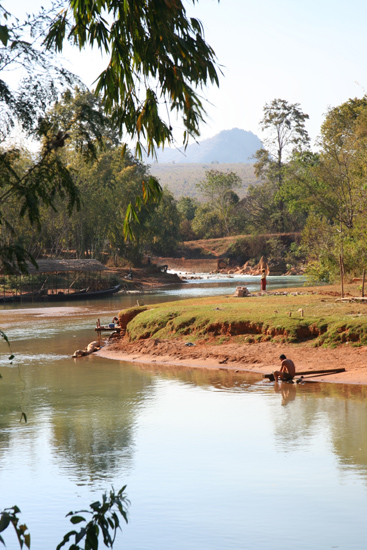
(229, 146)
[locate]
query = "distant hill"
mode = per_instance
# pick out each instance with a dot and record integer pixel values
(229, 146)
(181, 179)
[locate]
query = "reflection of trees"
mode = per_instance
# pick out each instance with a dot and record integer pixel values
(8, 409)
(89, 407)
(342, 411)
(348, 427)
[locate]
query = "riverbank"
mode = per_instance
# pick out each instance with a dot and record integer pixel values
(261, 358)
(309, 325)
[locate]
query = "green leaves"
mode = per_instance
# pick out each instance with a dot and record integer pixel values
(4, 34)
(9, 516)
(105, 520)
(158, 58)
(151, 192)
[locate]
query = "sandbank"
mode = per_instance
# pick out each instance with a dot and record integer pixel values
(261, 358)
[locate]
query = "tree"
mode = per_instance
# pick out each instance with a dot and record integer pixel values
(218, 188)
(162, 228)
(43, 177)
(331, 185)
(152, 46)
(206, 224)
(187, 207)
(284, 124)
(31, 183)
(23, 100)
(157, 58)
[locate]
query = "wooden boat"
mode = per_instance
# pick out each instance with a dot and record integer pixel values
(62, 296)
(108, 328)
(309, 374)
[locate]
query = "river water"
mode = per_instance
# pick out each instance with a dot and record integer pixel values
(211, 461)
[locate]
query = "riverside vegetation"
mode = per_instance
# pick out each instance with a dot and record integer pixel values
(312, 315)
(306, 208)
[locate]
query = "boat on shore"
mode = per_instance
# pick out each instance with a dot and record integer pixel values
(61, 296)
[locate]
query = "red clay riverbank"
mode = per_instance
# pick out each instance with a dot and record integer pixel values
(257, 358)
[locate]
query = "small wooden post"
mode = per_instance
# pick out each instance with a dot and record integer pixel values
(363, 280)
(341, 273)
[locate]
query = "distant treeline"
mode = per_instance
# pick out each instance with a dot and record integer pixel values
(181, 179)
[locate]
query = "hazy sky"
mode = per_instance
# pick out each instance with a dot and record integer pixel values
(312, 52)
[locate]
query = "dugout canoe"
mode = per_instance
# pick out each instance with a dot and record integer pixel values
(62, 296)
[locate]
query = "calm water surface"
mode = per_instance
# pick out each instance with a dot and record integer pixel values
(211, 461)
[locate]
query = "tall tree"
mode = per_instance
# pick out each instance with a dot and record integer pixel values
(285, 132)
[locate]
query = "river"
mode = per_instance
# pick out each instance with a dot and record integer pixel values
(211, 461)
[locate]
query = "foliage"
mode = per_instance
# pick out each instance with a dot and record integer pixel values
(10, 516)
(153, 46)
(331, 185)
(284, 124)
(187, 207)
(319, 271)
(105, 520)
(218, 189)
(294, 254)
(40, 75)
(157, 57)
(252, 247)
(206, 224)
(162, 233)
(107, 180)
(181, 179)
(43, 177)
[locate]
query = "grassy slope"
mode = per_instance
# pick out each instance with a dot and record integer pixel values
(263, 318)
(221, 247)
(181, 179)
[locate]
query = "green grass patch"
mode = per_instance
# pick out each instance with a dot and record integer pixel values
(314, 318)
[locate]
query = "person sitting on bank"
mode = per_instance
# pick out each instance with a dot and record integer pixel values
(287, 370)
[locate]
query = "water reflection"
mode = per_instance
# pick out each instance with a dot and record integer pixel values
(288, 391)
(89, 411)
(207, 455)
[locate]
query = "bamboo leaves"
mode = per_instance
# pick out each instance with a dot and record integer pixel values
(150, 45)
